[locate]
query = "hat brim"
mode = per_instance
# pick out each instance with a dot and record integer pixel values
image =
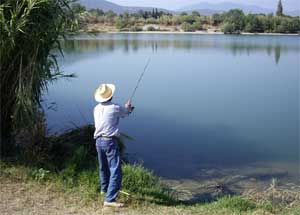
(99, 98)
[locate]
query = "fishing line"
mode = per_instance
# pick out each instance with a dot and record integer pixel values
(140, 78)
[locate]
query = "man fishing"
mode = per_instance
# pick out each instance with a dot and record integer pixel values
(106, 118)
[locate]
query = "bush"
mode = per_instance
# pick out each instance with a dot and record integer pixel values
(137, 178)
(197, 25)
(152, 21)
(165, 20)
(253, 24)
(120, 23)
(228, 28)
(151, 28)
(176, 20)
(294, 25)
(186, 27)
(135, 28)
(187, 18)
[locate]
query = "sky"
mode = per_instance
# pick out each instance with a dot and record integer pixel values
(176, 4)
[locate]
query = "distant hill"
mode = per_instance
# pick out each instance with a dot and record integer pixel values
(203, 8)
(225, 6)
(106, 6)
(294, 13)
(102, 4)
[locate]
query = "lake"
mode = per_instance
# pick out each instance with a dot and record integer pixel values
(221, 102)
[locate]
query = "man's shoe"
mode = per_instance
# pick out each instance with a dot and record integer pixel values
(114, 204)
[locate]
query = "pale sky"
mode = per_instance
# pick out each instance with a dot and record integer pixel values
(175, 4)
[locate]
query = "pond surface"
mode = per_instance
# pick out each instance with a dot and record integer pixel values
(206, 101)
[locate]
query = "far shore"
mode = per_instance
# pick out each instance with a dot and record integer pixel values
(182, 32)
(203, 33)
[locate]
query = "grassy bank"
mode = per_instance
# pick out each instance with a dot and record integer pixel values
(68, 164)
(83, 191)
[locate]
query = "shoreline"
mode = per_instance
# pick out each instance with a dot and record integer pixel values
(191, 33)
(204, 33)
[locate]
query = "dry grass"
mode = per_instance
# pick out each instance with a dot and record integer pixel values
(27, 197)
(21, 196)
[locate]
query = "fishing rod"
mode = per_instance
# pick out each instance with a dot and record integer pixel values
(139, 80)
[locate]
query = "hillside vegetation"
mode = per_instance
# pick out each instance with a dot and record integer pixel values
(233, 21)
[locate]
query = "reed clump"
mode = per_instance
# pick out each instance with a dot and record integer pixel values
(30, 31)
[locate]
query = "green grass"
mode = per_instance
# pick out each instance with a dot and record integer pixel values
(140, 183)
(235, 204)
(144, 188)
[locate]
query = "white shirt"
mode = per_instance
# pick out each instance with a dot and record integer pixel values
(106, 118)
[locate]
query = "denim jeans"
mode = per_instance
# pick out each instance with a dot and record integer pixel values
(109, 168)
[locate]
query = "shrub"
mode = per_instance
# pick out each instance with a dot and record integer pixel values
(151, 28)
(152, 21)
(186, 27)
(120, 23)
(137, 178)
(187, 18)
(135, 28)
(228, 28)
(197, 25)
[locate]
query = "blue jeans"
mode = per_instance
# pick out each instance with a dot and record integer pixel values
(109, 168)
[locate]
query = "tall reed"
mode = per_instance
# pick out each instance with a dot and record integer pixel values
(30, 30)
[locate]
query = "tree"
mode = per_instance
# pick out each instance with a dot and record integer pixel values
(110, 14)
(294, 25)
(279, 11)
(217, 19)
(281, 25)
(96, 12)
(253, 24)
(234, 20)
(228, 28)
(197, 25)
(120, 23)
(267, 23)
(195, 13)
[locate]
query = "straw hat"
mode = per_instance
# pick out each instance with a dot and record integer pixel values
(104, 92)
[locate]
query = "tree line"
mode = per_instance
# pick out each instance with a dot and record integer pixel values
(234, 21)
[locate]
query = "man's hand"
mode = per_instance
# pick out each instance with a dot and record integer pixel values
(128, 106)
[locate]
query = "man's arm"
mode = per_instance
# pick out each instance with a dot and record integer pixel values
(126, 110)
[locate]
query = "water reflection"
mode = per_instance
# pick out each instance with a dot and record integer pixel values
(235, 46)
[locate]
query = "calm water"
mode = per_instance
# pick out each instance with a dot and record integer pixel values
(206, 101)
